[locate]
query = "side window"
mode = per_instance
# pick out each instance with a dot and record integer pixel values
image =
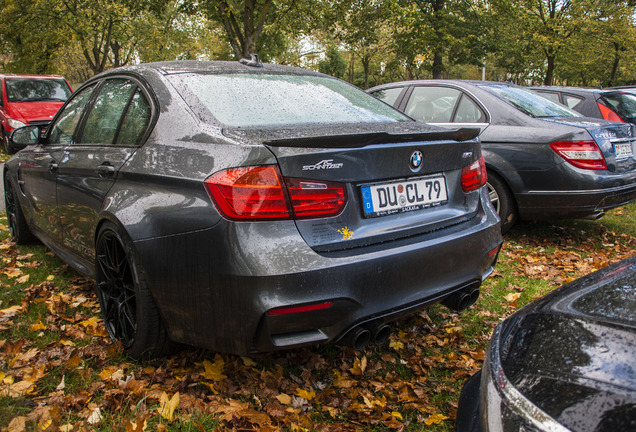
(469, 112)
(554, 97)
(572, 101)
(111, 103)
(135, 121)
(61, 132)
(432, 104)
(389, 95)
(1, 92)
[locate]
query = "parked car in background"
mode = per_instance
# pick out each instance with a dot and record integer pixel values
(29, 100)
(628, 89)
(615, 105)
(544, 160)
(244, 207)
(563, 363)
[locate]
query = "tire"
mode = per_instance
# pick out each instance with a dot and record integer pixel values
(128, 309)
(18, 226)
(5, 143)
(502, 201)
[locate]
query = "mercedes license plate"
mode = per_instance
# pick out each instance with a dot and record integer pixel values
(403, 196)
(623, 150)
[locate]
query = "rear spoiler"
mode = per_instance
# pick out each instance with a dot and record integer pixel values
(366, 139)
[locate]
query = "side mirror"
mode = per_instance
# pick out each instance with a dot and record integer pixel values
(25, 136)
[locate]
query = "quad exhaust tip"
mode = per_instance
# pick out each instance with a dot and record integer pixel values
(462, 300)
(361, 335)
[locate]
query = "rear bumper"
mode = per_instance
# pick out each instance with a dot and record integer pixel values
(573, 203)
(221, 298)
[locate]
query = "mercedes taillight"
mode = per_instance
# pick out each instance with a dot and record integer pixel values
(581, 154)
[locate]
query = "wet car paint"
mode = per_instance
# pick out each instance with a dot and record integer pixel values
(564, 362)
(219, 283)
(516, 148)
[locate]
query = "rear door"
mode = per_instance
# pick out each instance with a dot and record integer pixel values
(114, 127)
(445, 106)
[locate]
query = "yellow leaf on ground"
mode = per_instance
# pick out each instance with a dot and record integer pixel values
(435, 419)
(167, 405)
(50, 278)
(283, 398)
(38, 326)
(248, 362)
(91, 322)
(308, 395)
(23, 279)
(214, 371)
(512, 297)
(397, 415)
(359, 366)
(12, 272)
(10, 311)
(396, 345)
(18, 389)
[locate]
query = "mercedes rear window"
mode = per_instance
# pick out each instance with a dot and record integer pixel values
(251, 100)
(531, 103)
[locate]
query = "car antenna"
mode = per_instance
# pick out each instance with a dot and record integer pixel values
(251, 60)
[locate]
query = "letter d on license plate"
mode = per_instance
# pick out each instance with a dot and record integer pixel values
(403, 196)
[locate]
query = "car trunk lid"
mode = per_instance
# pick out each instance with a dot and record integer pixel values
(411, 197)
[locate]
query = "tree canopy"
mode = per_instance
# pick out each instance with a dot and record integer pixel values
(367, 42)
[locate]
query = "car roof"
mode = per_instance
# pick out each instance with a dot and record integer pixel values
(209, 67)
(34, 76)
(457, 82)
(575, 90)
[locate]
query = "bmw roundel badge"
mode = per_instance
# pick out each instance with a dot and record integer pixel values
(416, 160)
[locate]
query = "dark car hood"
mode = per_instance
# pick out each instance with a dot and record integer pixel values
(350, 135)
(575, 350)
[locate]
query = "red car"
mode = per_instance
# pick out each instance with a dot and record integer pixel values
(29, 99)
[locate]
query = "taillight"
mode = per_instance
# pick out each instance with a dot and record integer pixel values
(474, 176)
(581, 154)
(608, 114)
(311, 198)
(260, 193)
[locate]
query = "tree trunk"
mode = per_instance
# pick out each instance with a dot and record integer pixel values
(549, 73)
(617, 59)
(438, 65)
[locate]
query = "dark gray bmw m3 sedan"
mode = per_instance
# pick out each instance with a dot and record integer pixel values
(244, 207)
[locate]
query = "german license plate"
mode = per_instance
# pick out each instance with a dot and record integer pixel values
(403, 196)
(623, 150)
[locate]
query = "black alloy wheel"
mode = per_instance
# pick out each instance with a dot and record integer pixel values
(116, 290)
(502, 201)
(128, 309)
(18, 226)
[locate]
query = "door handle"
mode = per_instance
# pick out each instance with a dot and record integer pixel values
(53, 166)
(105, 170)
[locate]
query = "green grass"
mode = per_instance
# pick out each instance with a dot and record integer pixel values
(414, 382)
